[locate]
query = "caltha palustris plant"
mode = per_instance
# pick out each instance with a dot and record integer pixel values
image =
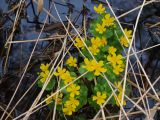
(102, 66)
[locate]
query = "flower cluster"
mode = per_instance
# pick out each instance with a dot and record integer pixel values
(100, 57)
(107, 20)
(73, 89)
(116, 61)
(71, 104)
(96, 43)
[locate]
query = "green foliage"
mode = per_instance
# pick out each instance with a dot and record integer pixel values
(50, 85)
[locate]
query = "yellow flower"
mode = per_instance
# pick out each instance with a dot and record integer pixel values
(68, 110)
(60, 72)
(115, 59)
(103, 42)
(128, 33)
(112, 50)
(44, 67)
(49, 100)
(79, 43)
(73, 89)
(43, 76)
(92, 65)
(71, 61)
(44, 72)
(88, 65)
(94, 49)
(118, 85)
(58, 99)
(98, 42)
(100, 9)
(107, 20)
(70, 106)
(119, 97)
(98, 67)
(100, 28)
(67, 77)
(123, 39)
(72, 102)
(100, 98)
(95, 41)
(117, 69)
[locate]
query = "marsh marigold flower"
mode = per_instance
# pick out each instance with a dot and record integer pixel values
(67, 78)
(100, 9)
(44, 72)
(98, 67)
(58, 98)
(123, 39)
(49, 100)
(115, 59)
(118, 85)
(92, 65)
(70, 106)
(71, 61)
(73, 89)
(79, 43)
(44, 75)
(112, 50)
(98, 42)
(94, 49)
(117, 69)
(103, 42)
(119, 97)
(72, 102)
(60, 72)
(100, 28)
(68, 110)
(107, 20)
(88, 65)
(95, 41)
(100, 98)
(44, 67)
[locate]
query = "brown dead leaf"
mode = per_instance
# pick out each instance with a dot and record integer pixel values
(39, 6)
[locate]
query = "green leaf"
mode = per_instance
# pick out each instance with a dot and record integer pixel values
(79, 117)
(83, 96)
(73, 74)
(89, 76)
(86, 53)
(93, 104)
(109, 33)
(50, 85)
(82, 70)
